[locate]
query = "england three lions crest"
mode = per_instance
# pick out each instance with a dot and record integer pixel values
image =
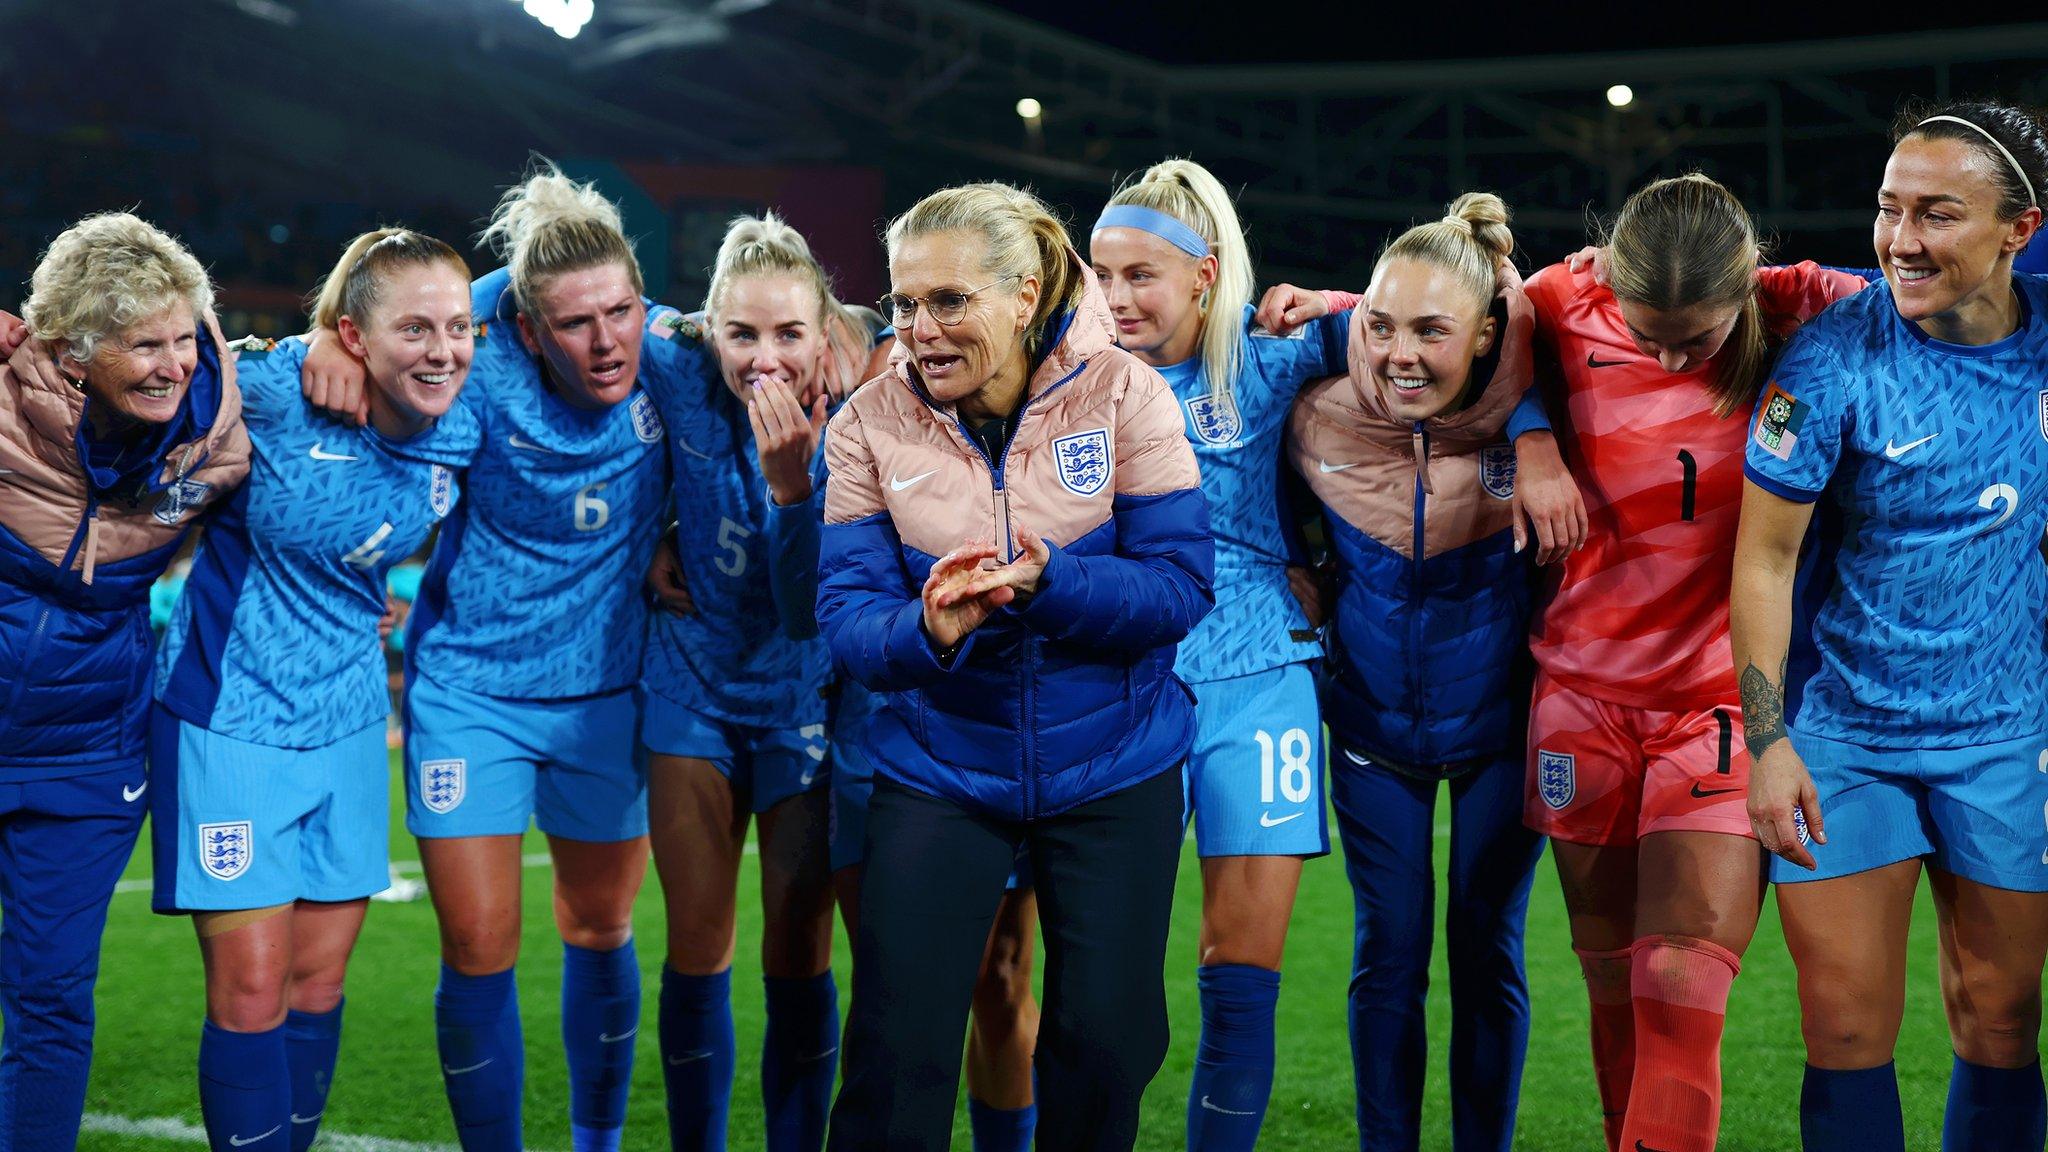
(443, 783)
(1083, 461)
(1213, 419)
(225, 849)
(441, 491)
(1557, 778)
(2044, 413)
(1497, 471)
(646, 421)
(181, 498)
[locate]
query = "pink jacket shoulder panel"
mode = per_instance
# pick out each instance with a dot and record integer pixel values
(1096, 423)
(1363, 462)
(43, 488)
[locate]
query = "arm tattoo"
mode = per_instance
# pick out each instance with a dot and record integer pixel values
(1763, 709)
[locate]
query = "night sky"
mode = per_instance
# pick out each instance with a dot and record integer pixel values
(1164, 30)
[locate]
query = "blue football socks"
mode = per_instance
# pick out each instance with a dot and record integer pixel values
(697, 1058)
(312, 1041)
(483, 1057)
(799, 1056)
(600, 1018)
(245, 1092)
(1994, 1108)
(1234, 1062)
(1001, 1129)
(1852, 1111)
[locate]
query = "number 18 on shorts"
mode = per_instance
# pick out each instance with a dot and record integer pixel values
(1255, 774)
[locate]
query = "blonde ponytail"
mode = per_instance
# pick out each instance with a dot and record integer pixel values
(550, 224)
(1190, 194)
(1023, 237)
(356, 284)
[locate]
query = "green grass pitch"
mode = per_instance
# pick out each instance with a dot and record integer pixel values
(387, 1095)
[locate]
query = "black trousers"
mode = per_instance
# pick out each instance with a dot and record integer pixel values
(935, 873)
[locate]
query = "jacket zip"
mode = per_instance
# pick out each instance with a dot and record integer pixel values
(1416, 672)
(1027, 778)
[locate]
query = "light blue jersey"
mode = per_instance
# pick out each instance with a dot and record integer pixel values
(750, 654)
(274, 641)
(535, 587)
(1257, 625)
(1932, 462)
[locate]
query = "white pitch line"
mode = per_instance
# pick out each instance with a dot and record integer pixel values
(404, 867)
(178, 1131)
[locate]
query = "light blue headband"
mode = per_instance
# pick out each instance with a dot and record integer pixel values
(1157, 223)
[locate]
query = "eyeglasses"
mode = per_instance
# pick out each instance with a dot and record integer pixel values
(946, 307)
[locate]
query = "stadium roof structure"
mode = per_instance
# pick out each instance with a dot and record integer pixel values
(1328, 157)
(1799, 129)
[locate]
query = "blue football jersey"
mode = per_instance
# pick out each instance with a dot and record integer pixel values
(751, 653)
(535, 586)
(1257, 624)
(1928, 594)
(274, 640)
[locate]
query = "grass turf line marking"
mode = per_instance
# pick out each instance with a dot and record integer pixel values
(176, 1131)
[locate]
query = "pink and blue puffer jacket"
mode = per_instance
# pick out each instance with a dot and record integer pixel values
(1071, 697)
(80, 546)
(1428, 665)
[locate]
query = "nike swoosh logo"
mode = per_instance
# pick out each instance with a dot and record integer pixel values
(460, 1071)
(1893, 451)
(319, 452)
(1355, 758)
(313, 1119)
(818, 1057)
(1225, 1111)
(1266, 821)
(679, 442)
(603, 1038)
(1642, 1147)
(239, 1142)
(690, 1057)
(1593, 361)
(896, 485)
(1699, 795)
(1325, 467)
(129, 796)
(529, 445)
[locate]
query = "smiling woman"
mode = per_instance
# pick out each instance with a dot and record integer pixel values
(1428, 671)
(267, 757)
(103, 471)
(1014, 543)
(1914, 412)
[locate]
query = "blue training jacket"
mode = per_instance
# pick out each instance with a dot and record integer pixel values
(85, 529)
(1429, 655)
(1072, 696)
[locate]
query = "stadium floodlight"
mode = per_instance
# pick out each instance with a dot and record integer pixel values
(1621, 95)
(1030, 109)
(566, 17)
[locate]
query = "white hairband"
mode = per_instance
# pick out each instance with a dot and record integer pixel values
(2032, 200)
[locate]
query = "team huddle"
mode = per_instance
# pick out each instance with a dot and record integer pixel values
(1709, 571)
